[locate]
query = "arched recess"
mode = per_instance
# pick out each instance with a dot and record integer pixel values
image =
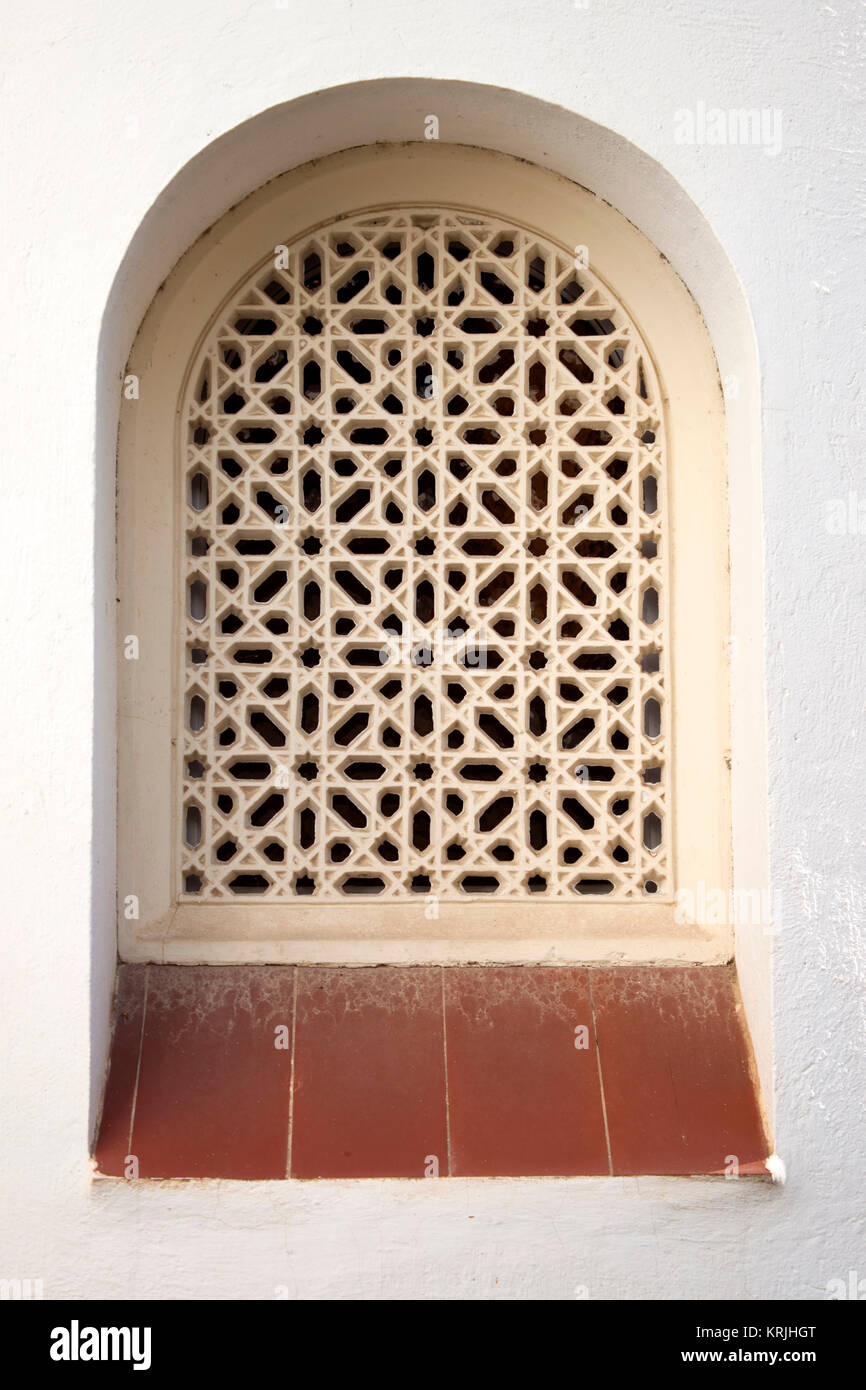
(571, 527)
(597, 159)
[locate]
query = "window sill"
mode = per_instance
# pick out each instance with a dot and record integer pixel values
(260, 1072)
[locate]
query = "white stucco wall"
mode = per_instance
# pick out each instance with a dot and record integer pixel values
(106, 106)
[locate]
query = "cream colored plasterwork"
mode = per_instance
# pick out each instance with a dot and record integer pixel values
(423, 494)
(435, 497)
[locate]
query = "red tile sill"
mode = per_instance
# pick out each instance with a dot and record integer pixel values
(263, 1072)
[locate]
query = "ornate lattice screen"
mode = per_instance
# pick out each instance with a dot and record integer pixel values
(423, 632)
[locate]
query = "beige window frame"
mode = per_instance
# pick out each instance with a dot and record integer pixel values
(156, 922)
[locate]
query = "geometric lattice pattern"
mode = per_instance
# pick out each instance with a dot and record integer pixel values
(423, 499)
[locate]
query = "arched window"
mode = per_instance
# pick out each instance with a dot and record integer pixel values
(423, 644)
(429, 475)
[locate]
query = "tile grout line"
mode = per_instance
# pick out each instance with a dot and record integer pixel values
(292, 1072)
(600, 1075)
(445, 1062)
(138, 1061)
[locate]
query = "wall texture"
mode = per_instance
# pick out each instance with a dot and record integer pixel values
(108, 111)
